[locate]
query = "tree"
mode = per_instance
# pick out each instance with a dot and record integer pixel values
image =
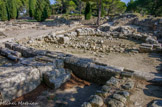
(70, 6)
(39, 9)
(153, 7)
(88, 11)
(114, 7)
(131, 6)
(47, 8)
(3, 11)
(32, 7)
(11, 9)
(42, 10)
(99, 11)
(99, 3)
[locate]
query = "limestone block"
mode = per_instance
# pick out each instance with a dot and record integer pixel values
(54, 79)
(17, 81)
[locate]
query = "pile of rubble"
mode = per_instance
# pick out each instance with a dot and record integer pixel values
(149, 24)
(9, 26)
(105, 41)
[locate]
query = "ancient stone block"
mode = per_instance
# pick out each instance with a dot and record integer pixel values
(17, 81)
(54, 79)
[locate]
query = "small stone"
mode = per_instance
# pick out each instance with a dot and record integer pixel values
(129, 85)
(102, 93)
(112, 82)
(96, 101)
(86, 104)
(114, 103)
(124, 93)
(106, 88)
(120, 98)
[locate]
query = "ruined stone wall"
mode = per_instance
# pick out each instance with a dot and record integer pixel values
(153, 24)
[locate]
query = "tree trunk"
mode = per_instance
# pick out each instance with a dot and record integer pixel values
(99, 12)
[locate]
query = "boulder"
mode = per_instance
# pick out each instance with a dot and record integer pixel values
(114, 103)
(96, 101)
(113, 82)
(120, 98)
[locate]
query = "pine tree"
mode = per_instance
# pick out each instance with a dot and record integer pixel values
(88, 11)
(12, 9)
(3, 11)
(38, 10)
(47, 9)
(42, 10)
(31, 7)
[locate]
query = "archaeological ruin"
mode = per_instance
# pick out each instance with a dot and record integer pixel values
(70, 64)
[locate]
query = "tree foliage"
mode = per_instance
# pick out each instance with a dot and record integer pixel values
(42, 10)
(152, 7)
(114, 7)
(32, 7)
(71, 6)
(12, 9)
(88, 11)
(3, 11)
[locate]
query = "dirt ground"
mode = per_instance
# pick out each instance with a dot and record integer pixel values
(144, 93)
